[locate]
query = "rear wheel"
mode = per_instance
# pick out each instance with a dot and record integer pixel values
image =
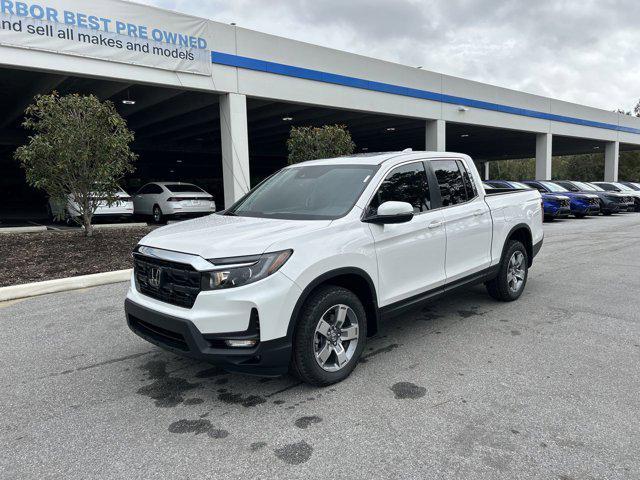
(579, 215)
(158, 216)
(330, 336)
(512, 275)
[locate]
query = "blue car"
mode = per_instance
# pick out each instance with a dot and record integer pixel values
(555, 205)
(581, 204)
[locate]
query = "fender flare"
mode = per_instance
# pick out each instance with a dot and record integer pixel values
(325, 278)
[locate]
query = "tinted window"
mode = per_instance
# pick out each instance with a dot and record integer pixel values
(184, 187)
(469, 186)
(552, 187)
(520, 186)
(568, 186)
(146, 189)
(306, 192)
(406, 183)
(452, 189)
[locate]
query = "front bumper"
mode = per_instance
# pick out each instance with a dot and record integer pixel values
(181, 337)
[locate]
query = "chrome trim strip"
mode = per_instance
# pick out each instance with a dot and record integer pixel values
(195, 261)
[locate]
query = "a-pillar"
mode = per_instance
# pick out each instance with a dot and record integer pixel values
(543, 156)
(235, 147)
(436, 138)
(611, 161)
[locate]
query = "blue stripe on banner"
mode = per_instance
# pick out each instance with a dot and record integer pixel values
(347, 81)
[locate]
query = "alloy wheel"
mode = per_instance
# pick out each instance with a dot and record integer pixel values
(516, 272)
(336, 338)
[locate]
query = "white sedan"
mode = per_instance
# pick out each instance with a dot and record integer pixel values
(67, 211)
(172, 199)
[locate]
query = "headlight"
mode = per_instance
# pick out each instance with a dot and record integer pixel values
(238, 271)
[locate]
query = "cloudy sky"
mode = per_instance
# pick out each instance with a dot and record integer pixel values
(584, 51)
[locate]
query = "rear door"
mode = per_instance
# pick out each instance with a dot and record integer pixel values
(410, 255)
(468, 224)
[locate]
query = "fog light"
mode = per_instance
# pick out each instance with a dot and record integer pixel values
(241, 343)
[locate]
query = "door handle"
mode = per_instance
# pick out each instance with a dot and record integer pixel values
(436, 224)
(477, 213)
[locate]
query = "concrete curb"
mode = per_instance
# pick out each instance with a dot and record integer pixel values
(108, 226)
(15, 292)
(33, 229)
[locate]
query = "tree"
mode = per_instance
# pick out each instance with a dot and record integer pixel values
(311, 143)
(79, 150)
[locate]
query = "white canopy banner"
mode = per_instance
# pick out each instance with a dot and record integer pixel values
(112, 30)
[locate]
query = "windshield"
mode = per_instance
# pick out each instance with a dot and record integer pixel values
(519, 185)
(586, 187)
(312, 192)
(552, 187)
(622, 187)
(183, 187)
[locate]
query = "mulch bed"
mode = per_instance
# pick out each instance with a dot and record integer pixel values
(35, 257)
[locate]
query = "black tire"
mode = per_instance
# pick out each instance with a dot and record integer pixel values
(579, 215)
(606, 213)
(158, 216)
(499, 287)
(549, 218)
(303, 358)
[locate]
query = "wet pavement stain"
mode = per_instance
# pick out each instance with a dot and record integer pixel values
(294, 453)
(408, 390)
(255, 446)
(167, 391)
(190, 426)
(365, 358)
(237, 398)
(211, 372)
(197, 427)
(222, 381)
(193, 401)
(305, 422)
(278, 402)
(515, 333)
(473, 311)
(218, 433)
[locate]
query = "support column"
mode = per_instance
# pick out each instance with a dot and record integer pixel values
(486, 171)
(611, 161)
(436, 136)
(235, 147)
(543, 156)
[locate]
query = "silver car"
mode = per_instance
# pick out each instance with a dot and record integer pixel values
(163, 200)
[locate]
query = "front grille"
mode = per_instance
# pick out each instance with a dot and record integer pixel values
(565, 203)
(179, 282)
(594, 201)
(159, 334)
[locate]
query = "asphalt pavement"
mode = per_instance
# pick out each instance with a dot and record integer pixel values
(545, 387)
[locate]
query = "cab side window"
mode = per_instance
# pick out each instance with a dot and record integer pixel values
(450, 181)
(406, 183)
(469, 185)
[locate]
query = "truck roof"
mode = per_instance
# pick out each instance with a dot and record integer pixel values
(381, 157)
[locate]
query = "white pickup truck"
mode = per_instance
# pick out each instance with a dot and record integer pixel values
(298, 273)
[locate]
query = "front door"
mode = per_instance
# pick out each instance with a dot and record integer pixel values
(410, 255)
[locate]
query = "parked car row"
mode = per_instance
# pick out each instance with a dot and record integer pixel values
(562, 198)
(157, 200)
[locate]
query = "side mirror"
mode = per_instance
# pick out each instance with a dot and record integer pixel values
(391, 212)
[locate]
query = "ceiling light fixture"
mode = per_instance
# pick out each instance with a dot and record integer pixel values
(391, 129)
(287, 119)
(128, 101)
(464, 135)
(364, 149)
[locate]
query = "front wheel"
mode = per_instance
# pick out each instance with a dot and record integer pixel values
(512, 275)
(579, 215)
(330, 336)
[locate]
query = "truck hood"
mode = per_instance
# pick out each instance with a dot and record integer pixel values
(218, 236)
